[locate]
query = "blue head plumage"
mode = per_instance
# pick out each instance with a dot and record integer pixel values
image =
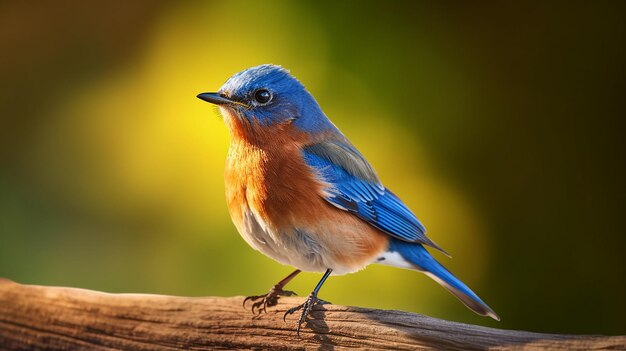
(269, 95)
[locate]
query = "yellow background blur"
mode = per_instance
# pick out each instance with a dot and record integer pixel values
(500, 125)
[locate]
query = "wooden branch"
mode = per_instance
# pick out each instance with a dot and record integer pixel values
(54, 318)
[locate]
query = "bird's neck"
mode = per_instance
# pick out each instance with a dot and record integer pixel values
(252, 134)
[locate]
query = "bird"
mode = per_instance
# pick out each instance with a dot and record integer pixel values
(301, 193)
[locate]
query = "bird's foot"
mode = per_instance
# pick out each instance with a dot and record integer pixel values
(261, 302)
(306, 307)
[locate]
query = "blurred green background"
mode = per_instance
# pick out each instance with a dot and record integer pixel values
(500, 124)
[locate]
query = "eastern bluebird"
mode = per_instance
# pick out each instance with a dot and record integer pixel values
(302, 194)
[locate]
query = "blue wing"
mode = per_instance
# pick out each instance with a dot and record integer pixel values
(356, 188)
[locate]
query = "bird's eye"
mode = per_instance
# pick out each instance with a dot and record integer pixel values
(262, 96)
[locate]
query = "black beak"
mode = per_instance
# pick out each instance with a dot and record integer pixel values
(215, 98)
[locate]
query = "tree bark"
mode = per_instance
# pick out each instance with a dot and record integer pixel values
(57, 318)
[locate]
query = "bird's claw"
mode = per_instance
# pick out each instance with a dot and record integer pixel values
(306, 308)
(268, 300)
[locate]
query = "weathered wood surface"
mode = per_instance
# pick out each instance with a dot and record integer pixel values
(55, 318)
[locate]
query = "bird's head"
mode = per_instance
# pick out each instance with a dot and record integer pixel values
(268, 96)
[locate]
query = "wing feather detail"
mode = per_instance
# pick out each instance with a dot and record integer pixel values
(355, 188)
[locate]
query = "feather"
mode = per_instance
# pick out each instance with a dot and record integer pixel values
(355, 187)
(413, 256)
(345, 156)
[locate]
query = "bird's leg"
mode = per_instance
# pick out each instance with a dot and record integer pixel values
(311, 301)
(271, 298)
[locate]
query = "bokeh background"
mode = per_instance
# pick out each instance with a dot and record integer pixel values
(501, 124)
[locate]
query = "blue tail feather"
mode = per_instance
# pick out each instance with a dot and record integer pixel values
(419, 257)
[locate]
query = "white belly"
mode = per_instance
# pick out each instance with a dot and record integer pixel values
(296, 248)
